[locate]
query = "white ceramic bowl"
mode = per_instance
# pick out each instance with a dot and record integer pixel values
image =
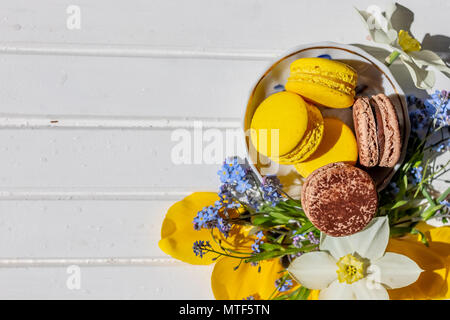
(373, 75)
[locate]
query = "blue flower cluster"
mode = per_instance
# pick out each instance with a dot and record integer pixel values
(201, 247)
(312, 238)
(433, 113)
(239, 186)
(209, 218)
(297, 239)
(283, 286)
(418, 115)
(270, 188)
(234, 177)
(232, 172)
(437, 107)
(393, 188)
(416, 175)
(258, 242)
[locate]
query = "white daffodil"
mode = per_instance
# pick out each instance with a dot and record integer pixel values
(356, 266)
(402, 46)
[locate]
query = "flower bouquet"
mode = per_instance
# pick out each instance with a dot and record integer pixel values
(343, 236)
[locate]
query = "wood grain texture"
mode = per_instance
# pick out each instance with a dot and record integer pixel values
(103, 160)
(107, 283)
(252, 25)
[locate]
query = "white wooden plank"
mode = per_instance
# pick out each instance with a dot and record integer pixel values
(188, 282)
(125, 87)
(81, 229)
(88, 233)
(110, 161)
(165, 261)
(201, 24)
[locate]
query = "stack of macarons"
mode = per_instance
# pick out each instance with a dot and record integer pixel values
(288, 127)
(339, 198)
(377, 131)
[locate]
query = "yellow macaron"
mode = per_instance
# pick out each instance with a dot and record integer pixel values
(323, 81)
(338, 145)
(279, 124)
(311, 139)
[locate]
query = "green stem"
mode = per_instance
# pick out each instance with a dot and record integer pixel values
(428, 196)
(391, 58)
(227, 255)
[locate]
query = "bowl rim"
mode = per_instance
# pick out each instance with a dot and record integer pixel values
(351, 49)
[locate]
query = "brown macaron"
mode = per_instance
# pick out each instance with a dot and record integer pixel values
(339, 199)
(377, 131)
(366, 132)
(389, 138)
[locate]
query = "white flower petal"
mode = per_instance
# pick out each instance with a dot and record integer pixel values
(395, 270)
(425, 58)
(369, 243)
(380, 36)
(423, 79)
(380, 22)
(365, 289)
(390, 9)
(379, 27)
(314, 270)
(364, 16)
(337, 291)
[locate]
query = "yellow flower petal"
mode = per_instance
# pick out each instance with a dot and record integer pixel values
(230, 284)
(407, 42)
(314, 295)
(434, 282)
(178, 233)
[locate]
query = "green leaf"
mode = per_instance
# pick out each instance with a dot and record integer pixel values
(399, 231)
(403, 187)
(427, 195)
(266, 255)
(443, 195)
(306, 227)
(395, 205)
(280, 217)
(259, 220)
(301, 294)
(271, 247)
(431, 211)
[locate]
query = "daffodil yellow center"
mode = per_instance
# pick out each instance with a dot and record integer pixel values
(350, 269)
(407, 42)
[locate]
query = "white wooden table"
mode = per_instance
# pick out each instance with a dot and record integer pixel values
(87, 116)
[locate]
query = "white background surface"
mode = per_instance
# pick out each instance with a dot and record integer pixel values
(93, 188)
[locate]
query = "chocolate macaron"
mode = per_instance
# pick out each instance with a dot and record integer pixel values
(366, 132)
(377, 131)
(339, 199)
(389, 138)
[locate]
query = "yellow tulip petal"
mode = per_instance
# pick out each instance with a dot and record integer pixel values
(230, 284)
(177, 231)
(314, 295)
(434, 282)
(407, 42)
